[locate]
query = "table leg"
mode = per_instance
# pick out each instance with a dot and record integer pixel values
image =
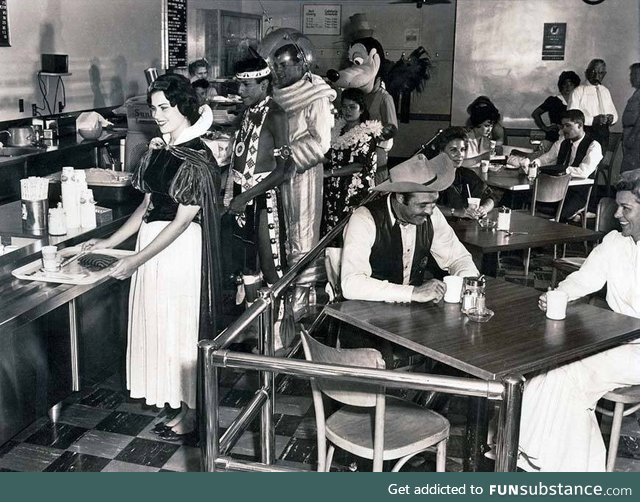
(509, 424)
(73, 342)
(476, 435)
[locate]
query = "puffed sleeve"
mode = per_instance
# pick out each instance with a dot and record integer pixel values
(195, 178)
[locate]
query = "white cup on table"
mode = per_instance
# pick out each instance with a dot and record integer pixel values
(454, 288)
(557, 304)
(473, 202)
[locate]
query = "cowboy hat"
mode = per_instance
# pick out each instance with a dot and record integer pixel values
(418, 174)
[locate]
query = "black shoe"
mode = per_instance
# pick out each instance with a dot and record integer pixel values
(160, 427)
(189, 438)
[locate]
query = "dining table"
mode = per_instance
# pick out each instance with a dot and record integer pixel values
(525, 231)
(519, 341)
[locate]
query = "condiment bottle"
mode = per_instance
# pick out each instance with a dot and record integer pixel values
(57, 225)
(504, 218)
(70, 198)
(87, 209)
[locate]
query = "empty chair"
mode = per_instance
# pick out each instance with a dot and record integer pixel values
(606, 164)
(370, 424)
(548, 190)
(605, 222)
(621, 397)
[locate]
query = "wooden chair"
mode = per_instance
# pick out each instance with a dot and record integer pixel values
(621, 397)
(370, 425)
(547, 189)
(605, 222)
(606, 164)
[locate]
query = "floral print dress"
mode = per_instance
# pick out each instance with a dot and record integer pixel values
(342, 193)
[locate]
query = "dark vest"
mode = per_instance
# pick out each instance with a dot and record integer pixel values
(565, 152)
(386, 253)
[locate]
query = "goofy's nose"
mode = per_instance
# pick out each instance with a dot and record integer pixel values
(333, 75)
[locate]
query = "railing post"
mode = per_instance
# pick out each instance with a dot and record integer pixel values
(266, 344)
(209, 413)
(509, 424)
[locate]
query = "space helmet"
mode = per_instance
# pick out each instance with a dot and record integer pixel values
(287, 36)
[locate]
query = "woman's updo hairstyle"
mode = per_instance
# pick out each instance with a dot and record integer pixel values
(178, 91)
(357, 96)
(481, 110)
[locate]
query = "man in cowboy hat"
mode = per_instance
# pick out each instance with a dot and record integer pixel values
(389, 242)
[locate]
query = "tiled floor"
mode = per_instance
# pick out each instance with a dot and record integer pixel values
(101, 429)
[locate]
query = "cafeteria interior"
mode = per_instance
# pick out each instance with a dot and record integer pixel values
(259, 411)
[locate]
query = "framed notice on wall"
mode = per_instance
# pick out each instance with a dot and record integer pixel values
(4, 25)
(554, 41)
(175, 33)
(321, 19)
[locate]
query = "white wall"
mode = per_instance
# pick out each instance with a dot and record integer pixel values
(109, 43)
(499, 44)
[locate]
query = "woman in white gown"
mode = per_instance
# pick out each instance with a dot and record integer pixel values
(175, 270)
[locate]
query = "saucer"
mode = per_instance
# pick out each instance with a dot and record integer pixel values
(475, 316)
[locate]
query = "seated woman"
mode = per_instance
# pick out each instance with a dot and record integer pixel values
(466, 183)
(483, 118)
(351, 162)
(555, 106)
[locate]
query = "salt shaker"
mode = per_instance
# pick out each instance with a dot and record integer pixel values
(504, 218)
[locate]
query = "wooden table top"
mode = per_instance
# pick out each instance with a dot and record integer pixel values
(516, 180)
(518, 340)
(541, 232)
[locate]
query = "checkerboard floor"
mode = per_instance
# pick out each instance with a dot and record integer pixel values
(101, 429)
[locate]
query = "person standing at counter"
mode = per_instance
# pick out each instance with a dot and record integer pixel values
(175, 272)
(631, 124)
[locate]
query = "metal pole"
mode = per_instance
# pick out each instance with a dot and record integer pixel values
(245, 320)
(73, 342)
(240, 423)
(267, 378)
(209, 412)
(509, 426)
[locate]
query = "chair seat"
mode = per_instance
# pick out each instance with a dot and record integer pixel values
(409, 429)
(626, 395)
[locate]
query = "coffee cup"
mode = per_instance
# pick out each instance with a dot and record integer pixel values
(484, 166)
(50, 260)
(473, 202)
(557, 304)
(454, 288)
(252, 284)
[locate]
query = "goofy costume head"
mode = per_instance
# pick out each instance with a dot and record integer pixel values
(367, 58)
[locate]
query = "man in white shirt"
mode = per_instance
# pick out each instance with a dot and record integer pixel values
(580, 155)
(559, 431)
(388, 243)
(594, 100)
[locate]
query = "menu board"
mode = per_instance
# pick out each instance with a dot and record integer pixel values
(177, 33)
(321, 19)
(4, 25)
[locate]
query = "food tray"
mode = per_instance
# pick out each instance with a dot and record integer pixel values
(100, 177)
(73, 273)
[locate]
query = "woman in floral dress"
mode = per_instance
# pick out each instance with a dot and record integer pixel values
(351, 161)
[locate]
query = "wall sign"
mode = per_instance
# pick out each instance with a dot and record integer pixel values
(321, 19)
(4, 25)
(176, 33)
(554, 41)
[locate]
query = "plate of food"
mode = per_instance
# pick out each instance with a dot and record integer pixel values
(76, 267)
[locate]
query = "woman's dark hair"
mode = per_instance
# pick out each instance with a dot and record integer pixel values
(449, 134)
(178, 91)
(482, 109)
(357, 96)
(569, 75)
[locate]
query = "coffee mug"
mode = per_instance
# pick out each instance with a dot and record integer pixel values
(557, 304)
(454, 288)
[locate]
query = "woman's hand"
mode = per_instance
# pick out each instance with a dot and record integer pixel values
(95, 244)
(124, 267)
(472, 213)
(542, 302)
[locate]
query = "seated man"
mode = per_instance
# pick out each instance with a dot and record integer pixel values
(559, 431)
(389, 242)
(577, 154)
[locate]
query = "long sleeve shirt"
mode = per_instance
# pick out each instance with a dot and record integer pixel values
(359, 238)
(616, 263)
(585, 168)
(585, 98)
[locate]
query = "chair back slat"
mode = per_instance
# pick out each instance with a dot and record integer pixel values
(353, 394)
(549, 189)
(605, 220)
